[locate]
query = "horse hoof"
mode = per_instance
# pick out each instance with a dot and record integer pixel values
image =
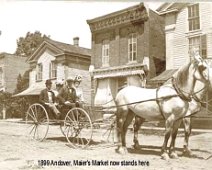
(188, 153)
(165, 156)
(122, 150)
(136, 146)
(173, 155)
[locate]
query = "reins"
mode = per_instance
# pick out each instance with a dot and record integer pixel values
(191, 95)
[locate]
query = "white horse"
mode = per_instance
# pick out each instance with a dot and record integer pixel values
(198, 96)
(168, 102)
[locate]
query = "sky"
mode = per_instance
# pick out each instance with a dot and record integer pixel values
(61, 20)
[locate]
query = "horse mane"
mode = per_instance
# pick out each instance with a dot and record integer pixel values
(184, 78)
(181, 75)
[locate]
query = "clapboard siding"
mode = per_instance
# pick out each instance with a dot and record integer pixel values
(209, 45)
(205, 16)
(180, 41)
(206, 25)
(177, 34)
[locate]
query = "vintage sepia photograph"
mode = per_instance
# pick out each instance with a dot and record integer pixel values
(103, 84)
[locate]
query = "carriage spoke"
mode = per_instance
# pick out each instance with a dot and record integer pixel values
(33, 114)
(35, 120)
(82, 140)
(36, 111)
(32, 129)
(35, 132)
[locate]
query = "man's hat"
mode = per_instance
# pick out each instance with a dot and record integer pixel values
(70, 79)
(48, 82)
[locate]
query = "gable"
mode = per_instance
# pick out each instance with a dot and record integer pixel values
(46, 57)
(171, 7)
(44, 47)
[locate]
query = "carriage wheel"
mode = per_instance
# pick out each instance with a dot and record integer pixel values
(37, 121)
(78, 128)
(109, 133)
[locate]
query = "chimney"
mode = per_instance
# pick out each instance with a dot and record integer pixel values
(76, 41)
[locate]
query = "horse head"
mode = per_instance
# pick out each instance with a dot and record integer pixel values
(203, 71)
(185, 79)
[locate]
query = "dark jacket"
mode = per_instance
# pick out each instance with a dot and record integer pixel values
(43, 98)
(65, 95)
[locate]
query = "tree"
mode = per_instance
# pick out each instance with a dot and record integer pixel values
(28, 44)
(22, 82)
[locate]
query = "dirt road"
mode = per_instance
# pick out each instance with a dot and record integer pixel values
(19, 152)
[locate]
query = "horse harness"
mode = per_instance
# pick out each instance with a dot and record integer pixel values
(180, 94)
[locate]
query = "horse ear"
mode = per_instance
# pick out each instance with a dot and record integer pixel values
(195, 54)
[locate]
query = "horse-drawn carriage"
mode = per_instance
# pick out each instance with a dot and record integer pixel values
(76, 125)
(168, 102)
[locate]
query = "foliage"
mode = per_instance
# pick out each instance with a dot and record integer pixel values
(22, 82)
(15, 106)
(28, 44)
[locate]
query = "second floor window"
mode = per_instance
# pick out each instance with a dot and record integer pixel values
(39, 71)
(199, 42)
(105, 53)
(132, 47)
(193, 17)
(52, 70)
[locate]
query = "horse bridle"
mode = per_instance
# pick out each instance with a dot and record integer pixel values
(193, 95)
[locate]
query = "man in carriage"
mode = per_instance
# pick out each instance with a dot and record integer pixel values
(69, 96)
(48, 99)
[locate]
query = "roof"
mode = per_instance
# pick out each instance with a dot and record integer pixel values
(116, 13)
(62, 48)
(8, 55)
(32, 90)
(69, 48)
(134, 14)
(170, 7)
(164, 76)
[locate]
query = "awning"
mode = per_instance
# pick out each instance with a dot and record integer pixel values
(119, 71)
(163, 77)
(31, 91)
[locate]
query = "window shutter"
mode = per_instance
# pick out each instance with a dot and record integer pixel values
(204, 46)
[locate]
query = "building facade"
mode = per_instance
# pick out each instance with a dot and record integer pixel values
(10, 67)
(187, 26)
(57, 61)
(126, 47)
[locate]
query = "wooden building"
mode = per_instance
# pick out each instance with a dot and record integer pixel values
(57, 61)
(187, 25)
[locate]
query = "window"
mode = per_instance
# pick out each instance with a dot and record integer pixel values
(39, 71)
(105, 53)
(1, 76)
(132, 47)
(52, 70)
(199, 42)
(193, 17)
